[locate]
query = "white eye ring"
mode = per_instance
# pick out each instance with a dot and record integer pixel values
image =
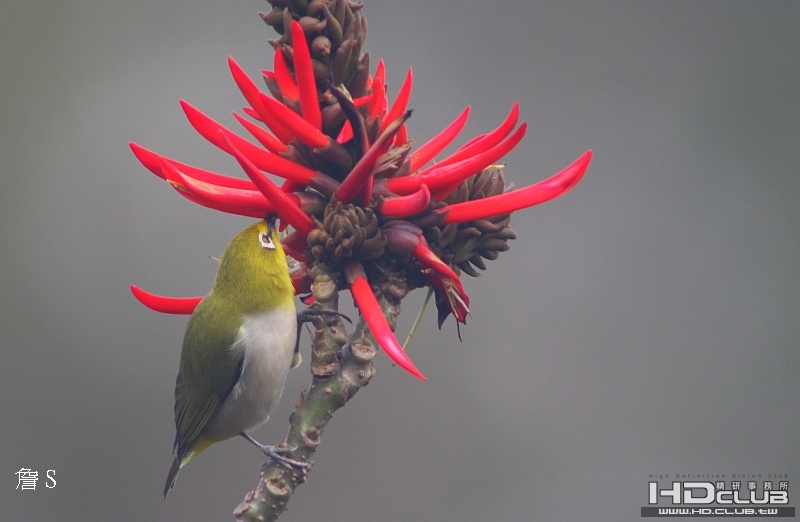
(266, 241)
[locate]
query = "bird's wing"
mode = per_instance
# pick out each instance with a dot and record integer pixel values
(207, 376)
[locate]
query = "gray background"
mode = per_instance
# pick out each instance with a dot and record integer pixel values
(644, 323)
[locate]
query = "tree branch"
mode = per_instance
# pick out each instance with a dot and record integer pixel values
(340, 366)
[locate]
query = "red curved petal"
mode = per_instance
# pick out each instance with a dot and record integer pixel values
(445, 280)
(262, 159)
(300, 127)
(359, 176)
(285, 205)
(514, 200)
(483, 143)
(164, 304)
(283, 77)
(373, 315)
(152, 162)
(251, 93)
(295, 245)
(270, 142)
(378, 101)
(442, 181)
(304, 72)
(437, 144)
(404, 206)
(251, 203)
(401, 102)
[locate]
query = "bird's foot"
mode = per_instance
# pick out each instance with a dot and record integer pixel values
(309, 314)
(279, 455)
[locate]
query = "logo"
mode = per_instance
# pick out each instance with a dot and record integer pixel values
(27, 479)
(723, 496)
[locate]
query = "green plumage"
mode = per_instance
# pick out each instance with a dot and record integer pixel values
(247, 320)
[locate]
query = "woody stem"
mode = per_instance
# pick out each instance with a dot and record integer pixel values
(340, 366)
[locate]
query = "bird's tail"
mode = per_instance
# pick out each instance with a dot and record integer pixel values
(172, 475)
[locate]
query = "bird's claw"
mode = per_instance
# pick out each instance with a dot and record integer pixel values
(309, 314)
(278, 454)
(274, 453)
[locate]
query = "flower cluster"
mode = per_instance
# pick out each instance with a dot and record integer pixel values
(362, 201)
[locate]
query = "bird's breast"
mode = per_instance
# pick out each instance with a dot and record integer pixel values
(267, 341)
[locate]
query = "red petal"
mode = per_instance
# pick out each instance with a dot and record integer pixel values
(359, 176)
(301, 281)
(292, 186)
(445, 279)
(373, 315)
(302, 129)
(406, 238)
(152, 162)
(514, 200)
(402, 136)
(284, 79)
(375, 103)
(478, 145)
(346, 134)
(252, 113)
(251, 203)
(404, 206)
(437, 144)
(362, 101)
(401, 102)
(442, 181)
(295, 245)
(304, 72)
(251, 93)
(270, 142)
(380, 72)
(164, 304)
(265, 160)
(285, 205)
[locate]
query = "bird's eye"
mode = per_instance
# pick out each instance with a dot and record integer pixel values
(266, 241)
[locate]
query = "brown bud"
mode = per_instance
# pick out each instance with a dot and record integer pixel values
(342, 59)
(274, 18)
(358, 85)
(486, 226)
(346, 233)
(321, 47)
(494, 244)
(477, 261)
(465, 234)
(312, 26)
(287, 22)
(316, 8)
(466, 267)
(298, 6)
(334, 157)
(466, 245)
(334, 29)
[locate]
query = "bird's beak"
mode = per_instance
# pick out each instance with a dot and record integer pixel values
(271, 223)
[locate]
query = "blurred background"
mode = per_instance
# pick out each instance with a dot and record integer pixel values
(645, 323)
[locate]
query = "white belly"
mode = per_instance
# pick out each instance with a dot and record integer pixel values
(268, 341)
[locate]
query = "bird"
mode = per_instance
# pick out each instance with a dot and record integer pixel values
(239, 345)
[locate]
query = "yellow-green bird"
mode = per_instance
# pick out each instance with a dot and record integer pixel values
(238, 348)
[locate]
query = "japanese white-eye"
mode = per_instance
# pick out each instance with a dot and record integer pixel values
(238, 347)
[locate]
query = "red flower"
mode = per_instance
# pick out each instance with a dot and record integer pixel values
(352, 185)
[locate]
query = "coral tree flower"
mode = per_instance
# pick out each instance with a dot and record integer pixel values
(332, 159)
